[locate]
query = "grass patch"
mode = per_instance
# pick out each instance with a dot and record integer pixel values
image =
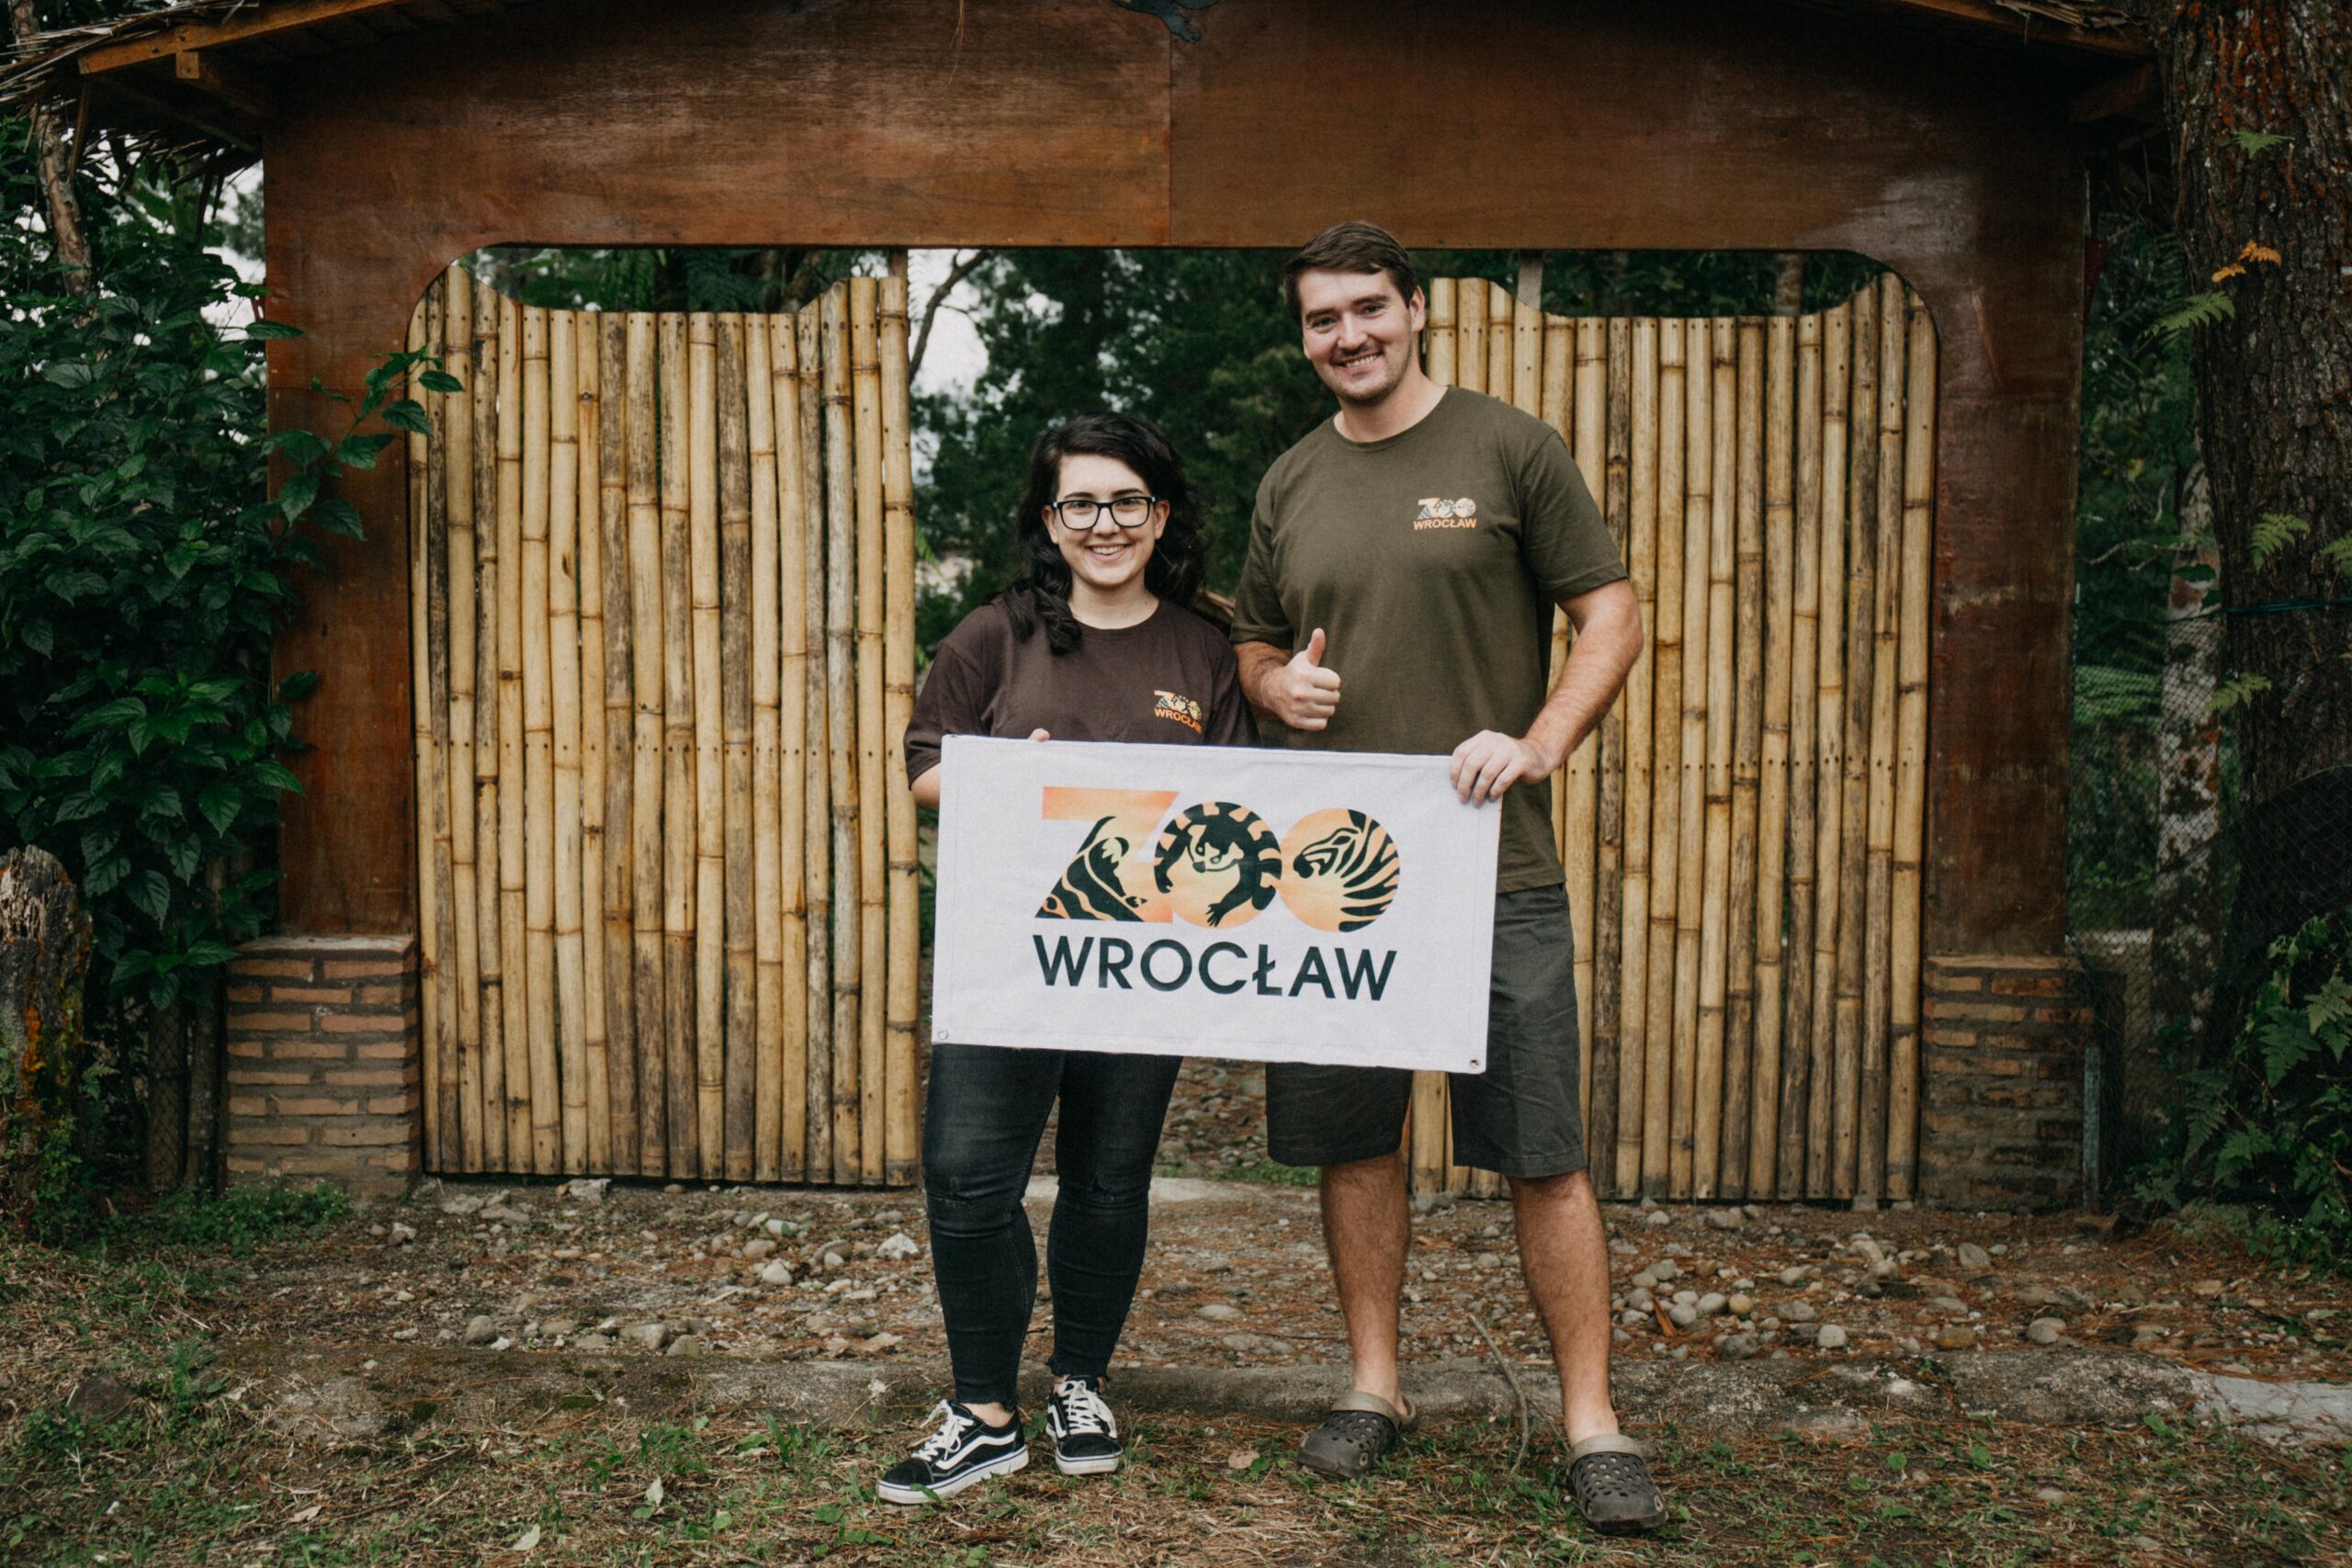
(234, 1221)
(1271, 1172)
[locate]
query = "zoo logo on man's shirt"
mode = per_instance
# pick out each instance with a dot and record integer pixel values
(1439, 513)
(1182, 710)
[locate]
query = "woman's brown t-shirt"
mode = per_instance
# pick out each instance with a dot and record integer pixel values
(1170, 679)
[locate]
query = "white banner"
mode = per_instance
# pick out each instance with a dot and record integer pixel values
(1213, 901)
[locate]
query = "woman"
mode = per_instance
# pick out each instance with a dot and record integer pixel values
(1093, 642)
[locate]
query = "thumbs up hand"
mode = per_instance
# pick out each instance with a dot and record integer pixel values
(1305, 693)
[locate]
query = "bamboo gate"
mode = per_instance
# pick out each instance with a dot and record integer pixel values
(1743, 833)
(662, 569)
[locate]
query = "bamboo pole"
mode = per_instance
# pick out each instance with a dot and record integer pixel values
(1600, 1062)
(1805, 667)
(1772, 791)
(547, 1109)
(490, 702)
(710, 911)
(1715, 947)
(792, 744)
(1690, 806)
(1911, 754)
(1470, 334)
(1557, 410)
(1861, 581)
(1747, 756)
(1829, 750)
(743, 1046)
(563, 672)
(596, 1012)
(902, 1137)
(1885, 630)
(425, 754)
(1501, 344)
(1622, 1098)
(618, 907)
(1526, 354)
(513, 866)
(681, 820)
(449, 1091)
(840, 733)
(1590, 429)
(767, 756)
(649, 737)
(1437, 333)
(457, 475)
(817, 816)
(873, 877)
(1645, 1160)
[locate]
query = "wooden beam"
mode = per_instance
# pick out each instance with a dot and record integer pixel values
(206, 74)
(2018, 27)
(225, 128)
(2135, 95)
(294, 16)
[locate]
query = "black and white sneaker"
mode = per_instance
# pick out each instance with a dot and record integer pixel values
(1085, 1433)
(963, 1450)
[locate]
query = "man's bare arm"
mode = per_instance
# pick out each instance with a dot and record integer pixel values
(1608, 622)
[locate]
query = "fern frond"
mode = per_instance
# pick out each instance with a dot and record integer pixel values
(2196, 310)
(2337, 553)
(2253, 142)
(2235, 693)
(2273, 534)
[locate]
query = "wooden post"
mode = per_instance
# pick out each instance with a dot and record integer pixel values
(1805, 670)
(425, 757)
(841, 714)
(572, 1043)
(1746, 760)
(1623, 1106)
(739, 1069)
(1772, 845)
(1829, 748)
(1911, 753)
(1648, 1162)
(902, 1138)
(619, 684)
(648, 771)
(680, 823)
(463, 944)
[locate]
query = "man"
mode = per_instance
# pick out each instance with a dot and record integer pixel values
(1404, 561)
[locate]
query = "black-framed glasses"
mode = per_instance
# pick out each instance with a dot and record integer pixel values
(1128, 510)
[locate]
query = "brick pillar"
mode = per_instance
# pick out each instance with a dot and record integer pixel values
(325, 1077)
(2001, 1089)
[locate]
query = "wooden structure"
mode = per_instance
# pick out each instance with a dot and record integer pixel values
(662, 587)
(1743, 836)
(1932, 135)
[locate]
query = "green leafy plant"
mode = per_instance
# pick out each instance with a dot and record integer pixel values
(2273, 534)
(2235, 693)
(2272, 1120)
(2255, 142)
(2196, 310)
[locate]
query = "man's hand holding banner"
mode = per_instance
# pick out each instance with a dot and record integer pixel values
(1213, 901)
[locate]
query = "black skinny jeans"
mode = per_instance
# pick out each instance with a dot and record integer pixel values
(985, 1112)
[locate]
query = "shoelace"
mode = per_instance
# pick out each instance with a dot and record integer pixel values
(953, 1425)
(1083, 1410)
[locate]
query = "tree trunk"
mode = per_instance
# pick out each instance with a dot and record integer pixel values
(1788, 284)
(167, 1098)
(44, 954)
(2187, 938)
(2274, 384)
(56, 172)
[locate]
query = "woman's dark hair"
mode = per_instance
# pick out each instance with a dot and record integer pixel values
(1040, 595)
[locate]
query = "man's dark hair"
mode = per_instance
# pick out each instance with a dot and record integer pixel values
(1353, 246)
(1040, 595)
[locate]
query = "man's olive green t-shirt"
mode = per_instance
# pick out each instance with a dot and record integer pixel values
(1431, 561)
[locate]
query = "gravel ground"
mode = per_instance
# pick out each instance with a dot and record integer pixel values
(1236, 1274)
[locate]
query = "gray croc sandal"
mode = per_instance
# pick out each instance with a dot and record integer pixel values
(1612, 1486)
(1356, 1430)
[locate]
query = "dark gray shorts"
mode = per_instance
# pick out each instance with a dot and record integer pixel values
(1520, 1117)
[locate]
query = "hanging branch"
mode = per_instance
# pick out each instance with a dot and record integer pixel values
(963, 268)
(64, 213)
